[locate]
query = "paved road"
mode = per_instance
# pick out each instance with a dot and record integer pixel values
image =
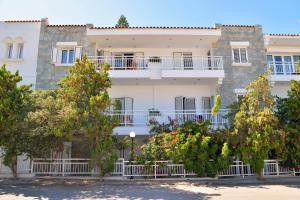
(155, 191)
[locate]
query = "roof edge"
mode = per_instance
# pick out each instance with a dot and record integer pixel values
(155, 27)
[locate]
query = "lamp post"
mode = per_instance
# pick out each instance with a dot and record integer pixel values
(132, 136)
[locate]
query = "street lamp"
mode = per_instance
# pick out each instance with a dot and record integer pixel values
(132, 135)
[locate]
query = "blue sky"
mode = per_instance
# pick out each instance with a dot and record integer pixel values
(275, 16)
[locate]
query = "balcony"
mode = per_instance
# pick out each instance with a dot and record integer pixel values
(163, 67)
(131, 120)
(284, 71)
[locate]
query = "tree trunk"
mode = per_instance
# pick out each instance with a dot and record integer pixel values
(14, 163)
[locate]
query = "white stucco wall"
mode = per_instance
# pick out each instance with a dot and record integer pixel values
(280, 90)
(161, 97)
(29, 32)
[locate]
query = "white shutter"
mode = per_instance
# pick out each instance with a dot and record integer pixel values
(177, 60)
(189, 104)
(212, 101)
(178, 104)
(78, 52)
(54, 55)
(206, 102)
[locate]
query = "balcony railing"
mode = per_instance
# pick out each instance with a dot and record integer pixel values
(140, 118)
(284, 68)
(165, 62)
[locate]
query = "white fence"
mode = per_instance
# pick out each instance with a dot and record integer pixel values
(165, 62)
(158, 169)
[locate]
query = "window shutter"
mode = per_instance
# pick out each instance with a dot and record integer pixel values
(177, 60)
(206, 103)
(212, 101)
(178, 104)
(189, 104)
(78, 52)
(54, 55)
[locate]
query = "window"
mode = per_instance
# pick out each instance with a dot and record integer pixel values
(67, 56)
(240, 94)
(183, 60)
(20, 51)
(9, 50)
(240, 55)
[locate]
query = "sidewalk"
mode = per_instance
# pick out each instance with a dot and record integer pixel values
(237, 181)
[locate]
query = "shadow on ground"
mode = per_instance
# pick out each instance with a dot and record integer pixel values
(99, 191)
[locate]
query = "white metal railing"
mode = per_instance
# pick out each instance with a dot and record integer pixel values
(238, 168)
(134, 117)
(61, 167)
(165, 62)
(284, 68)
(272, 167)
(157, 169)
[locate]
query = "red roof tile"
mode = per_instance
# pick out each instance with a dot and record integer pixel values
(154, 27)
(21, 21)
(66, 25)
(236, 25)
(283, 34)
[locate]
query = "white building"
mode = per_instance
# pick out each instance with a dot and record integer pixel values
(19, 41)
(283, 55)
(159, 73)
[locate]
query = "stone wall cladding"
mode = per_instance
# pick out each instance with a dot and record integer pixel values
(48, 75)
(239, 76)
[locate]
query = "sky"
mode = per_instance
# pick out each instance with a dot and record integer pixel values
(276, 16)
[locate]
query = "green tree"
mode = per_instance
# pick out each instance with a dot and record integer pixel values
(85, 89)
(49, 124)
(15, 103)
(255, 124)
(122, 22)
(121, 143)
(288, 110)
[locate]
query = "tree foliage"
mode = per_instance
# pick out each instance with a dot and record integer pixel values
(288, 113)
(122, 22)
(255, 124)
(85, 89)
(15, 103)
(200, 150)
(49, 124)
(121, 143)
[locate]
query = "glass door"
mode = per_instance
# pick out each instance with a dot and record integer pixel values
(278, 65)
(288, 67)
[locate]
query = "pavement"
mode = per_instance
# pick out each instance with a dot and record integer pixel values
(233, 189)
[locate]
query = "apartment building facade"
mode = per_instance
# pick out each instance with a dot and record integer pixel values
(157, 73)
(19, 42)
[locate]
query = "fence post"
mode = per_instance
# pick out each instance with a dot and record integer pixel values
(243, 173)
(294, 172)
(123, 167)
(155, 170)
(63, 167)
(277, 168)
(31, 166)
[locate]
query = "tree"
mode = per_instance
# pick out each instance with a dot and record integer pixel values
(49, 124)
(287, 111)
(15, 103)
(122, 22)
(200, 149)
(85, 89)
(255, 124)
(121, 143)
